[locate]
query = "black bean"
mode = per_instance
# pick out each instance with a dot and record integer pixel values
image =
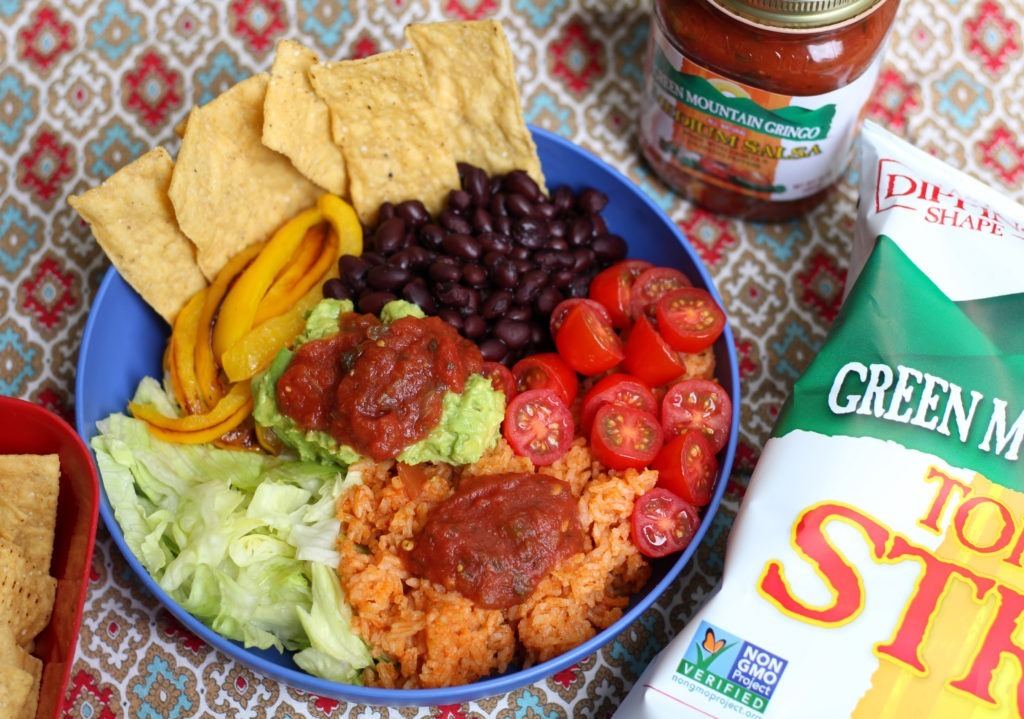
(417, 292)
(519, 313)
(545, 210)
(386, 212)
(493, 242)
(413, 211)
(504, 274)
(563, 198)
(519, 182)
(442, 271)
(373, 258)
(547, 299)
(474, 274)
(459, 201)
(481, 219)
(513, 333)
(600, 226)
(609, 248)
(373, 302)
(336, 289)
(473, 326)
(431, 236)
(562, 278)
(462, 245)
(475, 182)
(352, 268)
(452, 222)
(493, 349)
(390, 236)
(591, 201)
(583, 258)
(387, 277)
(502, 224)
(580, 231)
(496, 304)
(451, 316)
(496, 205)
(519, 206)
(529, 231)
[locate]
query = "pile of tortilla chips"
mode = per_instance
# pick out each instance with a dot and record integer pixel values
(385, 128)
(28, 516)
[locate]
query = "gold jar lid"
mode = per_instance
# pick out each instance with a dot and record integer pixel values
(797, 14)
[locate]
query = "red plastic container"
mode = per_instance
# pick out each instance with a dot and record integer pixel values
(27, 428)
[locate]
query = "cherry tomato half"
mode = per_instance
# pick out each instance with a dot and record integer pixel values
(546, 371)
(562, 309)
(587, 341)
(538, 425)
(689, 319)
(651, 285)
(611, 287)
(700, 404)
(648, 355)
(663, 522)
(501, 378)
(618, 388)
(624, 437)
(688, 467)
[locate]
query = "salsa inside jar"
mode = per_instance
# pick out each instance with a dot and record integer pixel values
(377, 388)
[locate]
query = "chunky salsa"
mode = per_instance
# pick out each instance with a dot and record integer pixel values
(374, 387)
(497, 536)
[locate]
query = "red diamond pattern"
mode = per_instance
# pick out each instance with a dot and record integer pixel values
(577, 58)
(153, 90)
(258, 22)
(46, 166)
(1002, 153)
(48, 294)
(993, 37)
(46, 39)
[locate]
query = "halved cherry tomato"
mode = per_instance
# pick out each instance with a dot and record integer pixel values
(687, 466)
(501, 378)
(651, 285)
(611, 287)
(587, 341)
(618, 388)
(624, 437)
(648, 355)
(562, 309)
(663, 522)
(700, 404)
(546, 371)
(538, 425)
(689, 319)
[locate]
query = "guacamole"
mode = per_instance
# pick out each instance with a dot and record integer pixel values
(469, 425)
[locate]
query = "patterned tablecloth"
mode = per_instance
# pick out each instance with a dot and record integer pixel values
(88, 85)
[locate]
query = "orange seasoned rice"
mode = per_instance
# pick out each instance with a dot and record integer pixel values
(427, 636)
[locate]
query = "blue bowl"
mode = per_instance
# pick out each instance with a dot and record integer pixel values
(124, 341)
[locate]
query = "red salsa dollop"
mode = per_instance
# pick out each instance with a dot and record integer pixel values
(497, 536)
(377, 388)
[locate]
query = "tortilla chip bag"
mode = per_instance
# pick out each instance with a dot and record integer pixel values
(876, 566)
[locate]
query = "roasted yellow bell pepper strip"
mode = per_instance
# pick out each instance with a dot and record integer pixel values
(256, 350)
(203, 436)
(318, 253)
(182, 355)
(238, 309)
(207, 371)
(344, 222)
(238, 399)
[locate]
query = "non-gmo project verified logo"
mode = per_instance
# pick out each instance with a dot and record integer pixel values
(731, 667)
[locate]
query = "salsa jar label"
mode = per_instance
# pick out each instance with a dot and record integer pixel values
(748, 140)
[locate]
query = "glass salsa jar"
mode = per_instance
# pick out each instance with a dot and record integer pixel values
(751, 107)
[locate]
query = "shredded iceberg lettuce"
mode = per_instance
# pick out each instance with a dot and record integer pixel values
(242, 541)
